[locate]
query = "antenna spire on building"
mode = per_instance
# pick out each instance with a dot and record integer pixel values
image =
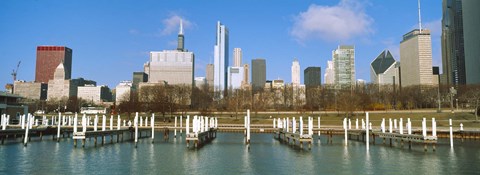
(181, 27)
(419, 17)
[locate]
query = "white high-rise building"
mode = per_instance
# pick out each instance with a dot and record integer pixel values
(344, 66)
(220, 53)
(174, 67)
(123, 90)
(95, 94)
(295, 73)
(416, 58)
(235, 77)
(329, 75)
(237, 57)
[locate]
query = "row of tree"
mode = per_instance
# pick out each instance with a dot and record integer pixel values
(167, 99)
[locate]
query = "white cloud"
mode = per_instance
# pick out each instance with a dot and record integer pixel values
(343, 21)
(172, 23)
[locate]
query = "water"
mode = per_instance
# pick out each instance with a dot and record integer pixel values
(227, 154)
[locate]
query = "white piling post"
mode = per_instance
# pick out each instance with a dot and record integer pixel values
(104, 120)
(345, 128)
(294, 127)
(424, 127)
(22, 120)
(206, 123)
(274, 120)
(395, 124)
(390, 130)
(451, 133)
(349, 124)
(118, 122)
(401, 125)
(409, 124)
(300, 127)
(141, 121)
(287, 124)
(146, 121)
(434, 127)
(26, 131)
(187, 123)
(310, 126)
(248, 126)
(363, 124)
(4, 122)
(383, 125)
(95, 123)
(124, 123)
(461, 126)
(58, 128)
(152, 124)
(84, 123)
(175, 130)
(135, 123)
(181, 126)
(36, 122)
(111, 122)
(75, 123)
(368, 134)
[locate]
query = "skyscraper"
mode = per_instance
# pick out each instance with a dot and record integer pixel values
(60, 87)
(174, 67)
(416, 58)
(344, 66)
(259, 74)
(138, 77)
(220, 53)
(471, 28)
(329, 73)
(237, 57)
(181, 39)
(453, 54)
(235, 77)
(384, 70)
(209, 73)
(312, 76)
(295, 73)
(48, 59)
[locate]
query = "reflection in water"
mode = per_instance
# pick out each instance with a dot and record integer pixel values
(228, 155)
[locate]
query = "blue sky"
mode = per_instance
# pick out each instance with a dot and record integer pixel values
(112, 39)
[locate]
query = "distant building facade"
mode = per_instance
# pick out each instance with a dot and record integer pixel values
(138, 77)
(174, 67)
(416, 58)
(235, 77)
(48, 59)
(246, 81)
(123, 90)
(344, 66)
(209, 73)
(200, 82)
(95, 94)
(384, 70)
(312, 76)
(237, 57)
(453, 52)
(329, 73)
(220, 53)
(471, 31)
(31, 90)
(60, 87)
(295, 73)
(259, 73)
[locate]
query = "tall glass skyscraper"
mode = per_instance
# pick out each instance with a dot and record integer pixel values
(453, 53)
(220, 53)
(344, 66)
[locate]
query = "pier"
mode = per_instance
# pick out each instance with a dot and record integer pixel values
(204, 130)
(294, 137)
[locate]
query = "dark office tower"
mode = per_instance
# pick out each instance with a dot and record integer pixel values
(312, 76)
(48, 59)
(138, 77)
(471, 31)
(453, 55)
(259, 74)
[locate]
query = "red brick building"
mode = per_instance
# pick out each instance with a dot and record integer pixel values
(48, 58)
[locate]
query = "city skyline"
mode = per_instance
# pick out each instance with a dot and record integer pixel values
(121, 43)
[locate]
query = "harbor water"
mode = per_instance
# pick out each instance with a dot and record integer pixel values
(228, 154)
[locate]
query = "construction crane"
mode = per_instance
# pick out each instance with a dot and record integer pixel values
(14, 72)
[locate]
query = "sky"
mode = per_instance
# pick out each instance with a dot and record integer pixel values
(112, 39)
